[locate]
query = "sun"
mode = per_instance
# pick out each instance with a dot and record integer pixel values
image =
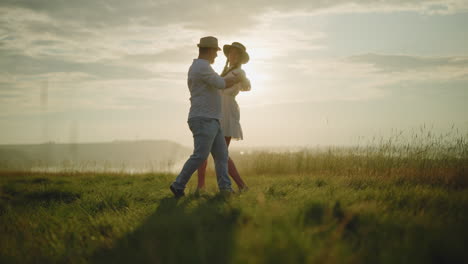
(256, 69)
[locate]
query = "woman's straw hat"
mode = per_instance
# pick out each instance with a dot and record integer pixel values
(208, 42)
(244, 55)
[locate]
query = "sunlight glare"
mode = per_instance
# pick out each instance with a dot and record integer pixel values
(256, 69)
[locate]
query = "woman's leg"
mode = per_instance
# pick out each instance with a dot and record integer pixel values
(201, 175)
(233, 170)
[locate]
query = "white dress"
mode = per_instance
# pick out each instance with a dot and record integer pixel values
(230, 123)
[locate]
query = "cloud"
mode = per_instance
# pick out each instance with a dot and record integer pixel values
(119, 46)
(206, 15)
(364, 77)
(402, 63)
(93, 30)
(25, 65)
(180, 54)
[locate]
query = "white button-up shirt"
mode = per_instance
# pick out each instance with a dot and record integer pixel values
(204, 84)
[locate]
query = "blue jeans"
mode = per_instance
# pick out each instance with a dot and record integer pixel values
(207, 137)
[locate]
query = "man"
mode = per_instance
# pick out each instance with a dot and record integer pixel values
(204, 116)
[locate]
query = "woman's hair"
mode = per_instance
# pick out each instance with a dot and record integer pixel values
(228, 69)
(225, 69)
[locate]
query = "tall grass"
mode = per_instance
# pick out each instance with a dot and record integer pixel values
(420, 157)
(398, 200)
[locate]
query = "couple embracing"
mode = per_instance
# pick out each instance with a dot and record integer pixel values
(214, 114)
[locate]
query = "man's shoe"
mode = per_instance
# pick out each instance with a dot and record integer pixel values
(177, 193)
(226, 193)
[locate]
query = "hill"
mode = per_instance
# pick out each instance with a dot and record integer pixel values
(142, 154)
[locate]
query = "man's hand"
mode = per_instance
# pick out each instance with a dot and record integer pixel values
(230, 81)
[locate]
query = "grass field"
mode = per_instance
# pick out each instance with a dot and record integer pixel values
(391, 203)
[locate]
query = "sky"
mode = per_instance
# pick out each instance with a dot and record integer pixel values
(322, 72)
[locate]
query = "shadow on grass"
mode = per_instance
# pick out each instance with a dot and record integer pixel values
(19, 195)
(49, 196)
(187, 231)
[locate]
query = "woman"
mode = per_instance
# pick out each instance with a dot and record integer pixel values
(230, 124)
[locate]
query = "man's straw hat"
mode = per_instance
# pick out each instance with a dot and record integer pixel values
(209, 42)
(244, 55)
